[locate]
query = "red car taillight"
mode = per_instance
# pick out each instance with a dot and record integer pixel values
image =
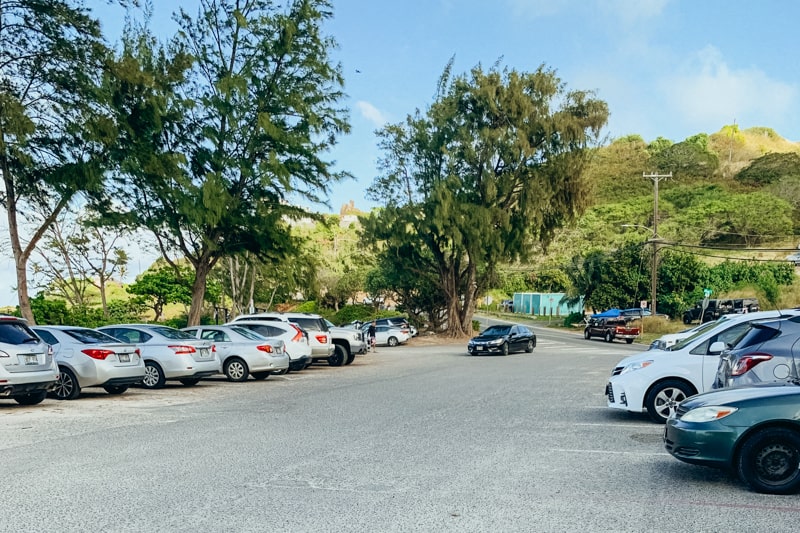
(265, 348)
(299, 335)
(747, 363)
(322, 339)
(97, 353)
(181, 349)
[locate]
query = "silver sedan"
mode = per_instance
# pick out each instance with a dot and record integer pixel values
(244, 352)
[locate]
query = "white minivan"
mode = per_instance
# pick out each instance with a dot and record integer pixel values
(658, 380)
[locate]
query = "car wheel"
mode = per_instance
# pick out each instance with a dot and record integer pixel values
(529, 347)
(153, 376)
(260, 376)
(189, 382)
(505, 348)
(664, 397)
(609, 337)
(586, 334)
(351, 356)
(769, 461)
(31, 398)
(236, 370)
(687, 319)
(115, 389)
(66, 387)
(339, 355)
(391, 341)
(629, 341)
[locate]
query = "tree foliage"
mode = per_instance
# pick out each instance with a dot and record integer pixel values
(163, 284)
(770, 168)
(53, 123)
(225, 141)
(494, 164)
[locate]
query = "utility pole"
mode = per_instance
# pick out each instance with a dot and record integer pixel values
(655, 240)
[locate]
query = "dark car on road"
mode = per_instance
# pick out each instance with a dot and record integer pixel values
(753, 431)
(503, 339)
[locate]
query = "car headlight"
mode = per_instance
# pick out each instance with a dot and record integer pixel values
(708, 413)
(497, 341)
(636, 366)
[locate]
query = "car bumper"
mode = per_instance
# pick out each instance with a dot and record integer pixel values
(706, 443)
(300, 363)
(485, 348)
(273, 362)
(114, 375)
(624, 394)
(194, 369)
(9, 390)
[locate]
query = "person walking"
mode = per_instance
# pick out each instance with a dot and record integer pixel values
(371, 336)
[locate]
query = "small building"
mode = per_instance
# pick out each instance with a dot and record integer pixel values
(544, 304)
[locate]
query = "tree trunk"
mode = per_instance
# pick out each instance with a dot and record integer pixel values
(202, 268)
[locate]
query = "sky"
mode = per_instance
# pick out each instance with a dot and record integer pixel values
(669, 68)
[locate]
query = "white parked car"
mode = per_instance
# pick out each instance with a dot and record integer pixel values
(168, 353)
(387, 335)
(319, 338)
(243, 352)
(90, 358)
(27, 366)
(294, 338)
(658, 380)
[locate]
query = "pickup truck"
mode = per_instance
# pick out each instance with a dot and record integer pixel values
(610, 329)
(716, 308)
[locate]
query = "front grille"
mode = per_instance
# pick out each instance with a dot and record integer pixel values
(617, 371)
(610, 392)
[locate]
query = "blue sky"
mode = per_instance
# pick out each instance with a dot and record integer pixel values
(670, 68)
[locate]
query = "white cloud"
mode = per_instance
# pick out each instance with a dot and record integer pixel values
(708, 93)
(371, 113)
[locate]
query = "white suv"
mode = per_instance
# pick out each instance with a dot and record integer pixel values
(319, 337)
(27, 366)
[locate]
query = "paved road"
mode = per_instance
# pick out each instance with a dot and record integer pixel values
(407, 439)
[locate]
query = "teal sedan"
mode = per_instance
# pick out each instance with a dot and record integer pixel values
(752, 431)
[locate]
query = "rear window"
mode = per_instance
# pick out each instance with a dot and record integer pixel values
(171, 333)
(90, 336)
(246, 333)
(756, 335)
(316, 324)
(16, 333)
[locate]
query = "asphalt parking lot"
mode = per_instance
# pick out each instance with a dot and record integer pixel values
(413, 438)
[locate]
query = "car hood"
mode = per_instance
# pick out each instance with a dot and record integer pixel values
(643, 356)
(485, 338)
(738, 394)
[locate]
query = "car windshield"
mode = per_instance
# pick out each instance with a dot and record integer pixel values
(497, 330)
(700, 330)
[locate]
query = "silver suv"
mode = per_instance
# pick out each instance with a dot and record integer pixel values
(319, 337)
(28, 369)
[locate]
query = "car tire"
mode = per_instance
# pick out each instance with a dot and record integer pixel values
(115, 389)
(153, 376)
(392, 341)
(351, 356)
(664, 398)
(586, 334)
(66, 388)
(687, 319)
(629, 341)
(189, 382)
(339, 355)
(769, 461)
(505, 348)
(609, 337)
(236, 369)
(32, 398)
(260, 376)
(529, 346)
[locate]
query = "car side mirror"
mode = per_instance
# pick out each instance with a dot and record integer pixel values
(717, 348)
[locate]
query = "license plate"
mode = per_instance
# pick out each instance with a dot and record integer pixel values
(203, 353)
(124, 358)
(31, 359)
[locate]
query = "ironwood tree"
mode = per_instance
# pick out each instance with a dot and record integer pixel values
(494, 164)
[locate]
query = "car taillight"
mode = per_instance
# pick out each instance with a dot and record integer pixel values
(97, 353)
(138, 352)
(322, 339)
(181, 349)
(747, 363)
(265, 348)
(299, 335)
